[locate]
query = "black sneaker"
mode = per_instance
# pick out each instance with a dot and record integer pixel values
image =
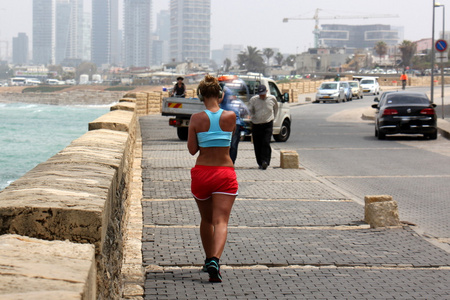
(214, 272)
(264, 165)
(205, 268)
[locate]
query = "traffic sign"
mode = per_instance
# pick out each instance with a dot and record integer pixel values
(441, 45)
(441, 57)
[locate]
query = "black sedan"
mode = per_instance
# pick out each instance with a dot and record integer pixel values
(405, 112)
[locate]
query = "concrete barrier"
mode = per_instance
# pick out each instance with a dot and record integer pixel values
(381, 211)
(80, 195)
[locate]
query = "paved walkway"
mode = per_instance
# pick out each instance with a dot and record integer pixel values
(291, 236)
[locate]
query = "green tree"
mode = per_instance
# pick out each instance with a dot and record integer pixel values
(408, 49)
(381, 49)
(251, 60)
(268, 52)
(86, 68)
(279, 58)
(290, 60)
(227, 64)
(5, 71)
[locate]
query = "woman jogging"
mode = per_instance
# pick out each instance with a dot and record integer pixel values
(214, 185)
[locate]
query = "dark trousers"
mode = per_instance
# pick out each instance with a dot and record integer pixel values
(235, 143)
(262, 134)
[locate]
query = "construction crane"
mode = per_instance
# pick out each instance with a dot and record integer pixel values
(316, 18)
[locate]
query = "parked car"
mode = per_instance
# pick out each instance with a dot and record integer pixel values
(405, 112)
(357, 90)
(370, 85)
(347, 90)
(330, 91)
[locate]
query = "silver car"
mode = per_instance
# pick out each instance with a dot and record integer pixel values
(330, 91)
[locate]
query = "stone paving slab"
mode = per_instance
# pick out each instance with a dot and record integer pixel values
(275, 174)
(413, 208)
(247, 190)
(176, 246)
(258, 213)
(300, 283)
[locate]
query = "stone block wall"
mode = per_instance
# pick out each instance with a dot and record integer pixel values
(80, 196)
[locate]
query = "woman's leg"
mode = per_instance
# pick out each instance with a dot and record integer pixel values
(222, 205)
(215, 213)
(206, 225)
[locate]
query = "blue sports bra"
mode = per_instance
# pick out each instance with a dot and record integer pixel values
(215, 136)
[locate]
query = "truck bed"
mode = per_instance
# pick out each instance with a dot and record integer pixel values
(181, 107)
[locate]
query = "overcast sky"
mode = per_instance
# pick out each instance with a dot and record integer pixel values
(258, 23)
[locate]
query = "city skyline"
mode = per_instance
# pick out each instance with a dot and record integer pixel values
(259, 24)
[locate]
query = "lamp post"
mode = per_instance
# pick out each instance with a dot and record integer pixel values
(432, 56)
(442, 63)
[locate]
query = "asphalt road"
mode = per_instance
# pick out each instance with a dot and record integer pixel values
(339, 147)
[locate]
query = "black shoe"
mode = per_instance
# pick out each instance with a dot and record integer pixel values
(214, 272)
(264, 165)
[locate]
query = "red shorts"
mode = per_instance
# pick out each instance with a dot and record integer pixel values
(208, 180)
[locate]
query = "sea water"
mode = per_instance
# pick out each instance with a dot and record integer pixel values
(32, 133)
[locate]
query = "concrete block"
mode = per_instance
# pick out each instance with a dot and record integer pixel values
(381, 211)
(128, 106)
(371, 199)
(38, 269)
(289, 159)
(114, 120)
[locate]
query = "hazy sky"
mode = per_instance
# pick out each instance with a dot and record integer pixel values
(258, 23)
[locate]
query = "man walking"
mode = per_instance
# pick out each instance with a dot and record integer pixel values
(263, 109)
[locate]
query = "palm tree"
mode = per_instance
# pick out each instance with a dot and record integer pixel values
(290, 60)
(279, 58)
(251, 59)
(227, 64)
(268, 52)
(381, 49)
(408, 49)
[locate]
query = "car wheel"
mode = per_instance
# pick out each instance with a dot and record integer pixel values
(285, 132)
(431, 136)
(381, 135)
(376, 132)
(182, 133)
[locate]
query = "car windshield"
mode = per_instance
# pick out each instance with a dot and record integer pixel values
(328, 86)
(353, 84)
(367, 81)
(406, 99)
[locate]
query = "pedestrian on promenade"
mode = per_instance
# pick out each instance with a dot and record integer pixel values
(227, 104)
(263, 110)
(179, 88)
(404, 79)
(213, 179)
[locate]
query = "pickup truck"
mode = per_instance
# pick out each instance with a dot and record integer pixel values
(243, 88)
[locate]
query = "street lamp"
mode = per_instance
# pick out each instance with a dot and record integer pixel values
(432, 55)
(442, 63)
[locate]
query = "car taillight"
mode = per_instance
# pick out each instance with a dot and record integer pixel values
(427, 111)
(174, 122)
(390, 112)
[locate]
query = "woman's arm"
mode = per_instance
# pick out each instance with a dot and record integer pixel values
(192, 142)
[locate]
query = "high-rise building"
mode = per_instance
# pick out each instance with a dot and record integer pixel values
(357, 36)
(86, 37)
(137, 33)
(161, 40)
(190, 30)
(105, 32)
(20, 49)
(44, 31)
(63, 13)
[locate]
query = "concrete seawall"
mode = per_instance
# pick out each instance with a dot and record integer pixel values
(81, 198)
